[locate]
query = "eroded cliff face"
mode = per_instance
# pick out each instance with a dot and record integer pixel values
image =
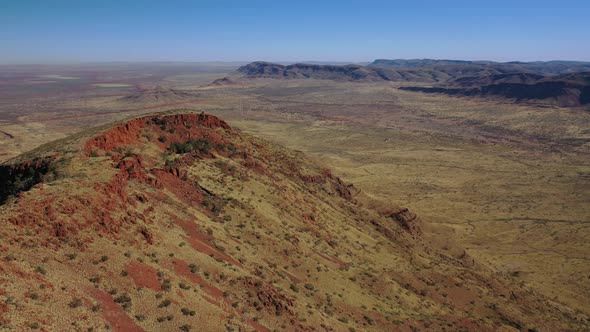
(304, 71)
(566, 91)
(177, 221)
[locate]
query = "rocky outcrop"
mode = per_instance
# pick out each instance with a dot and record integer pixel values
(175, 127)
(225, 81)
(407, 219)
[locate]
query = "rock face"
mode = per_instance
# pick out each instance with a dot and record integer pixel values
(178, 222)
(129, 132)
(407, 219)
(509, 78)
(299, 71)
(561, 93)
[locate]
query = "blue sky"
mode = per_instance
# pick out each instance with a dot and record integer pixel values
(48, 31)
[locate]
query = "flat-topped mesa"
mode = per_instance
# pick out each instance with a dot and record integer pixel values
(184, 126)
(350, 72)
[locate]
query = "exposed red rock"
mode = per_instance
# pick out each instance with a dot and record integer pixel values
(143, 275)
(116, 317)
(129, 132)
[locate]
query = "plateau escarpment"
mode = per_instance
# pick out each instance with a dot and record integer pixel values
(553, 91)
(303, 71)
(561, 84)
(350, 73)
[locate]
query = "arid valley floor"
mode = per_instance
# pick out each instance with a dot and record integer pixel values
(505, 183)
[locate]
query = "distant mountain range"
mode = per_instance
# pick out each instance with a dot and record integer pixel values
(563, 83)
(458, 67)
(314, 71)
(561, 92)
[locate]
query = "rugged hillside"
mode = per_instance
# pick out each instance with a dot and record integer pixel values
(178, 222)
(480, 80)
(415, 63)
(562, 83)
(519, 81)
(329, 72)
(565, 90)
(353, 73)
(457, 67)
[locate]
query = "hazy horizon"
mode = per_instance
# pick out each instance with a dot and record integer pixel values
(65, 32)
(244, 62)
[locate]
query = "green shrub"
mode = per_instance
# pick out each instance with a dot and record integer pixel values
(186, 328)
(369, 320)
(194, 268)
(164, 303)
(166, 286)
(187, 312)
(200, 145)
(75, 303)
(123, 299)
(160, 122)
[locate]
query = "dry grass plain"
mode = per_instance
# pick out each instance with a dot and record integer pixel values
(513, 181)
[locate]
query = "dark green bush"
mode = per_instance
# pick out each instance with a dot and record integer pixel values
(200, 145)
(164, 303)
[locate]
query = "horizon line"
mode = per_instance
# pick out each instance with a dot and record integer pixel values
(91, 62)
